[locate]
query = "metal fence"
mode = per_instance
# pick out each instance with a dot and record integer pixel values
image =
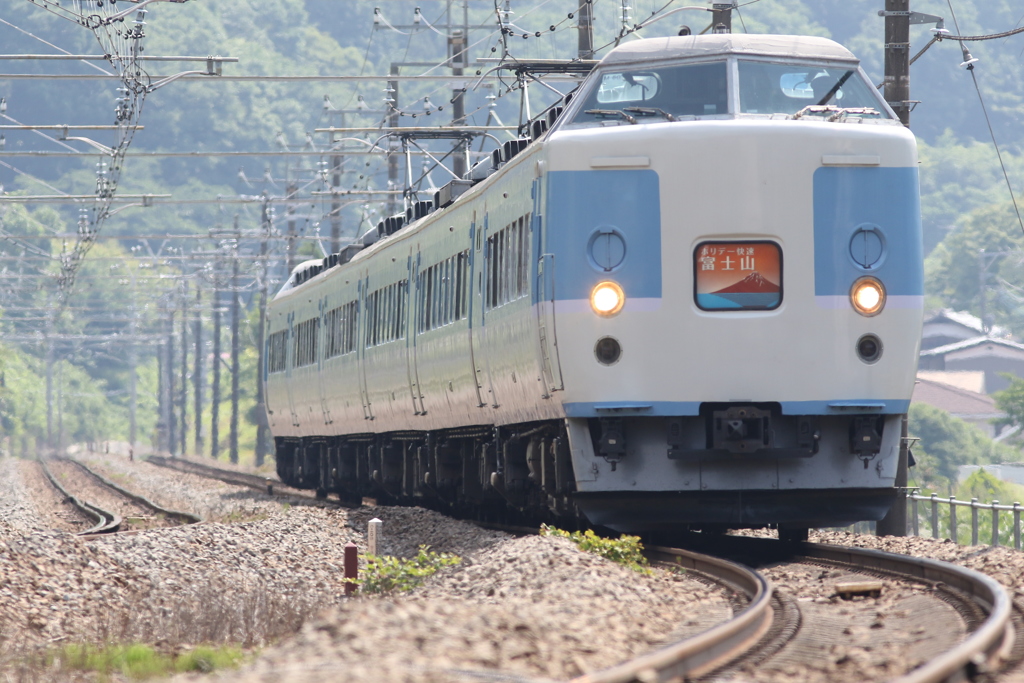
(938, 518)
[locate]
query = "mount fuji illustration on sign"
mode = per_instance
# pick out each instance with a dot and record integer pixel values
(738, 276)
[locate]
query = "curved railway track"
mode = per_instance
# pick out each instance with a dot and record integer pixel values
(106, 520)
(759, 625)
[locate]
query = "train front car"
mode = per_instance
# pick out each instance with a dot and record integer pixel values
(732, 247)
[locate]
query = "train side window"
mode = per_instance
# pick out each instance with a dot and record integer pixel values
(277, 348)
(340, 330)
(305, 344)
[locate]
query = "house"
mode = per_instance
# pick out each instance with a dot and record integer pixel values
(985, 354)
(970, 406)
(947, 326)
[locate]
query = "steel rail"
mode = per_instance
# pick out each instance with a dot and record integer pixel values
(703, 653)
(106, 522)
(183, 517)
(227, 476)
(982, 650)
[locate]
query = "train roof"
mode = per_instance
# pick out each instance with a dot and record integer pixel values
(681, 47)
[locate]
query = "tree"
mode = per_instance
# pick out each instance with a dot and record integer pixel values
(1011, 401)
(946, 443)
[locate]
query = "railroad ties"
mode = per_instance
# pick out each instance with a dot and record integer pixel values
(106, 521)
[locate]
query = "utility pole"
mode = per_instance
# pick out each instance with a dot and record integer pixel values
(215, 388)
(197, 371)
(721, 16)
(172, 419)
(49, 381)
(235, 314)
(897, 94)
(133, 393)
(262, 428)
(290, 190)
(336, 162)
(457, 54)
(183, 400)
(393, 121)
(585, 23)
(897, 58)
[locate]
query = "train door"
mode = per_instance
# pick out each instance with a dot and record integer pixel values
(290, 368)
(551, 368)
(413, 322)
(269, 404)
(479, 344)
(318, 346)
(363, 317)
(473, 269)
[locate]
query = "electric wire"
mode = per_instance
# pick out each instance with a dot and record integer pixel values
(988, 122)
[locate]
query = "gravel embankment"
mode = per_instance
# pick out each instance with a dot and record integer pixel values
(268, 570)
(530, 606)
(533, 605)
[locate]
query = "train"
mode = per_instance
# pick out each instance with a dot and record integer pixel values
(688, 296)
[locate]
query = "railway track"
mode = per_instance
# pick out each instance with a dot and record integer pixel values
(114, 508)
(763, 622)
(265, 484)
(104, 522)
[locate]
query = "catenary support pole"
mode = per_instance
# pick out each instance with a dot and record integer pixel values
(235, 351)
(262, 428)
(393, 122)
(215, 369)
(585, 24)
(897, 58)
(895, 522)
(183, 399)
(172, 419)
(197, 372)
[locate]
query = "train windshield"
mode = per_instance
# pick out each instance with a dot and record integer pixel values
(656, 93)
(767, 88)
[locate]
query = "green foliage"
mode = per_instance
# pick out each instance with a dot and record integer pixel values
(953, 269)
(1011, 400)
(946, 443)
(137, 662)
(386, 574)
(625, 550)
(986, 489)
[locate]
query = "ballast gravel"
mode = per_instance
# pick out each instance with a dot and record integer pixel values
(537, 606)
(533, 607)
(266, 572)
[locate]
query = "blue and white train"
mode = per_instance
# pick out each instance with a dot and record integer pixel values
(692, 297)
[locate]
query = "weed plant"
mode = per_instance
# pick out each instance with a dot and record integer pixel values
(386, 574)
(625, 550)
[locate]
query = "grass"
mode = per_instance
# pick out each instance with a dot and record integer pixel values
(140, 662)
(386, 574)
(625, 550)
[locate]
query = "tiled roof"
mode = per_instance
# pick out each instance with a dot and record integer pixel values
(970, 343)
(956, 401)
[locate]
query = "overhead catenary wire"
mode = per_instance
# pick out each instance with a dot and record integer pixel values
(969, 63)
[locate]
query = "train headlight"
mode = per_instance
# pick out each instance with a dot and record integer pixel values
(868, 296)
(607, 298)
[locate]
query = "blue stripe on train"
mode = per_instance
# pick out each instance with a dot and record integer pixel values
(580, 204)
(691, 408)
(886, 200)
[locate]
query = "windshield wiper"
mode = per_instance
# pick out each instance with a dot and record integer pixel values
(646, 111)
(835, 88)
(611, 112)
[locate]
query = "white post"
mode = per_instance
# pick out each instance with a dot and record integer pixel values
(372, 535)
